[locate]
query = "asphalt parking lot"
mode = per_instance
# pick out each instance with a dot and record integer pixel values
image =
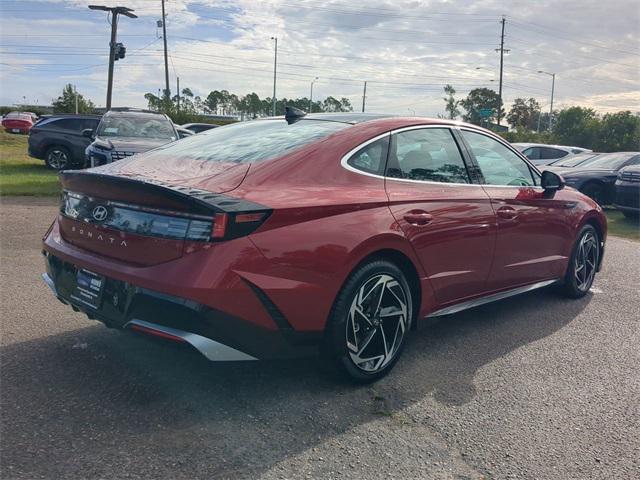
(532, 387)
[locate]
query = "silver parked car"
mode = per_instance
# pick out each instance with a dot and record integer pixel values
(541, 154)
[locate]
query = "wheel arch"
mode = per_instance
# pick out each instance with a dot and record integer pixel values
(409, 270)
(406, 262)
(599, 224)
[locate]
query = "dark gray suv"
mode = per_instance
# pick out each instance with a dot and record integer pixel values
(59, 141)
(123, 132)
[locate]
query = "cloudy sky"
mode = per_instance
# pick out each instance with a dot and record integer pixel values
(405, 50)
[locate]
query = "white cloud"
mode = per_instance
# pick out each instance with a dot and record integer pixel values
(406, 50)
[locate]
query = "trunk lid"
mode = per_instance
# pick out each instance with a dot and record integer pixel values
(144, 212)
(215, 177)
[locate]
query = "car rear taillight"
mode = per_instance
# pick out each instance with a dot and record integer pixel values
(158, 222)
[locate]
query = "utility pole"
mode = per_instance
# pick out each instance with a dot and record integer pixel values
(75, 93)
(275, 66)
(311, 95)
(178, 92)
(167, 92)
(553, 86)
(501, 50)
(114, 11)
(364, 96)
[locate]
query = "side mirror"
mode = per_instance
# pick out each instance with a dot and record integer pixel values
(552, 181)
(87, 132)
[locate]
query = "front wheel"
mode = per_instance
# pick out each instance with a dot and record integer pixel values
(370, 321)
(583, 263)
(58, 158)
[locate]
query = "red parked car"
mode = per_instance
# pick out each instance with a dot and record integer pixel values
(18, 122)
(329, 232)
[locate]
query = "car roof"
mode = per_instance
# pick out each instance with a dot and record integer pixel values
(390, 120)
(71, 115)
(128, 112)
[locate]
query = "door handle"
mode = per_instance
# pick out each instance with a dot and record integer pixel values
(508, 213)
(418, 218)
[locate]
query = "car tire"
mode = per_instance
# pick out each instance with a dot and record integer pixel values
(58, 158)
(369, 322)
(583, 263)
(595, 192)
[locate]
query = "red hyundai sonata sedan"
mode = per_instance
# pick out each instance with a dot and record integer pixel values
(326, 232)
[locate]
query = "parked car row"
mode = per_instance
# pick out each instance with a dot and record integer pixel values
(77, 141)
(608, 178)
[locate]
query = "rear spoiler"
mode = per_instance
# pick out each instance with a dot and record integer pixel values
(154, 193)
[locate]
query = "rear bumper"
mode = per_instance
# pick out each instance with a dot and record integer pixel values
(218, 335)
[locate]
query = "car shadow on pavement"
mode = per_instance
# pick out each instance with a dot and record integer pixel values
(99, 403)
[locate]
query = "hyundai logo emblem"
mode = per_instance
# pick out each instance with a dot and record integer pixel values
(100, 213)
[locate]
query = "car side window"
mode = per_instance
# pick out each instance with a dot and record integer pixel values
(90, 123)
(371, 158)
(532, 153)
(547, 153)
(71, 124)
(498, 164)
(426, 154)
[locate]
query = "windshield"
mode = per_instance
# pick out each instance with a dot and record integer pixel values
(248, 142)
(142, 126)
(575, 160)
(611, 161)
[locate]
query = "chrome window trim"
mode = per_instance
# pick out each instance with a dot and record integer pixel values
(353, 151)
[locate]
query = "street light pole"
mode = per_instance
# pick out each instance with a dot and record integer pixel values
(311, 95)
(275, 66)
(553, 86)
(114, 11)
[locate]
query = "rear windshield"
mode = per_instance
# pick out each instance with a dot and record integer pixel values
(575, 160)
(612, 161)
(250, 142)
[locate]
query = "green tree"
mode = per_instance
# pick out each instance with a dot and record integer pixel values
(524, 114)
(451, 104)
(66, 103)
(618, 132)
(213, 101)
(576, 126)
(331, 104)
(478, 99)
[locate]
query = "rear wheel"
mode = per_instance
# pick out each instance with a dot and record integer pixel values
(583, 263)
(370, 321)
(58, 158)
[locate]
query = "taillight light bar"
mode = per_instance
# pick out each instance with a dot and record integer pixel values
(155, 222)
